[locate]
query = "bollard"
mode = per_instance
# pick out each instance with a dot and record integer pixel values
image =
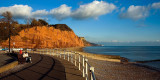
(75, 59)
(86, 60)
(91, 69)
(83, 67)
(79, 62)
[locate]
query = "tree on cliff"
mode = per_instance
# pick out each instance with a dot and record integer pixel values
(7, 17)
(40, 22)
(35, 23)
(43, 22)
(6, 25)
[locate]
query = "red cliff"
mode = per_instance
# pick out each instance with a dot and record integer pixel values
(44, 37)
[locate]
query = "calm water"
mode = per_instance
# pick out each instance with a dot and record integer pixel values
(133, 53)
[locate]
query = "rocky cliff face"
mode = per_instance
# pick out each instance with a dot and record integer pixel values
(44, 37)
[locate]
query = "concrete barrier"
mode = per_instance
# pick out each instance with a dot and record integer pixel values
(8, 66)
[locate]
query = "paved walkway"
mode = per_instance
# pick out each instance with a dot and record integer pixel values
(46, 68)
(4, 59)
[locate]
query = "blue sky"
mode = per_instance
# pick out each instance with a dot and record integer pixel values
(97, 21)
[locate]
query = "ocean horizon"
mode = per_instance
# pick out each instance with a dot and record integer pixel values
(150, 55)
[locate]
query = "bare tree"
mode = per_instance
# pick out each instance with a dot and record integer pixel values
(7, 18)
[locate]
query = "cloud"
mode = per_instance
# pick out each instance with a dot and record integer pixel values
(18, 11)
(93, 10)
(135, 12)
(142, 25)
(61, 12)
(122, 9)
(156, 5)
(39, 13)
(114, 41)
(90, 10)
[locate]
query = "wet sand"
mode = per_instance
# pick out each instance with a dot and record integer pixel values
(112, 69)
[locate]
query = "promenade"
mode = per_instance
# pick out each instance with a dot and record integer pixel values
(4, 59)
(44, 67)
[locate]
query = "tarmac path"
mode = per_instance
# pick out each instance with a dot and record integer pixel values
(45, 67)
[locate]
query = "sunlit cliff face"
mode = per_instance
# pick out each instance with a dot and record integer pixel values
(44, 37)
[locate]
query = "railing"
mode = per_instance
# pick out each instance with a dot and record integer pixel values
(76, 58)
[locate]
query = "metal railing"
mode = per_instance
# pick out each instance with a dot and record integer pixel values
(76, 58)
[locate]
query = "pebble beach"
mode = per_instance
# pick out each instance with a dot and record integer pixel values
(112, 69)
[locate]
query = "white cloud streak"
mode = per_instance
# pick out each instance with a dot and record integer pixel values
(139, 12)
(18, 11)
(93, 10)
(156, 5)
(61, 12)
(90, 10)
(135, 12)
(39, 13)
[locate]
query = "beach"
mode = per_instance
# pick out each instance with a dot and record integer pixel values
(112, 69)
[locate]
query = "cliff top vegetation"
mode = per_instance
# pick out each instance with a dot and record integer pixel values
(7, 22)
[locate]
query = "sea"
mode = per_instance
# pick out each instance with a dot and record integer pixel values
(149, 55)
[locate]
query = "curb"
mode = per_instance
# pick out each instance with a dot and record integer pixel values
(8, 66)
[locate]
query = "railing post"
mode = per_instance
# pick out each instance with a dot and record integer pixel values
(86, 60)
(83, 67)
(79, 62)
(57, 52)
(75, 59)
(91, 69)
(47, 51)
(50, 52)
(64, 54)
(60, 53)
(68, 56)
(44, 51)
(71, 57)
(53, 52)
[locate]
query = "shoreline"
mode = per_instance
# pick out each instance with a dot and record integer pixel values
(80, 50)
(107, 68)
(111, 58)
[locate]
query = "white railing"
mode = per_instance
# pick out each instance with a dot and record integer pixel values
(76, 58)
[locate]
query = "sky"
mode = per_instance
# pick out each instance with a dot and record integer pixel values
(96, 20)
